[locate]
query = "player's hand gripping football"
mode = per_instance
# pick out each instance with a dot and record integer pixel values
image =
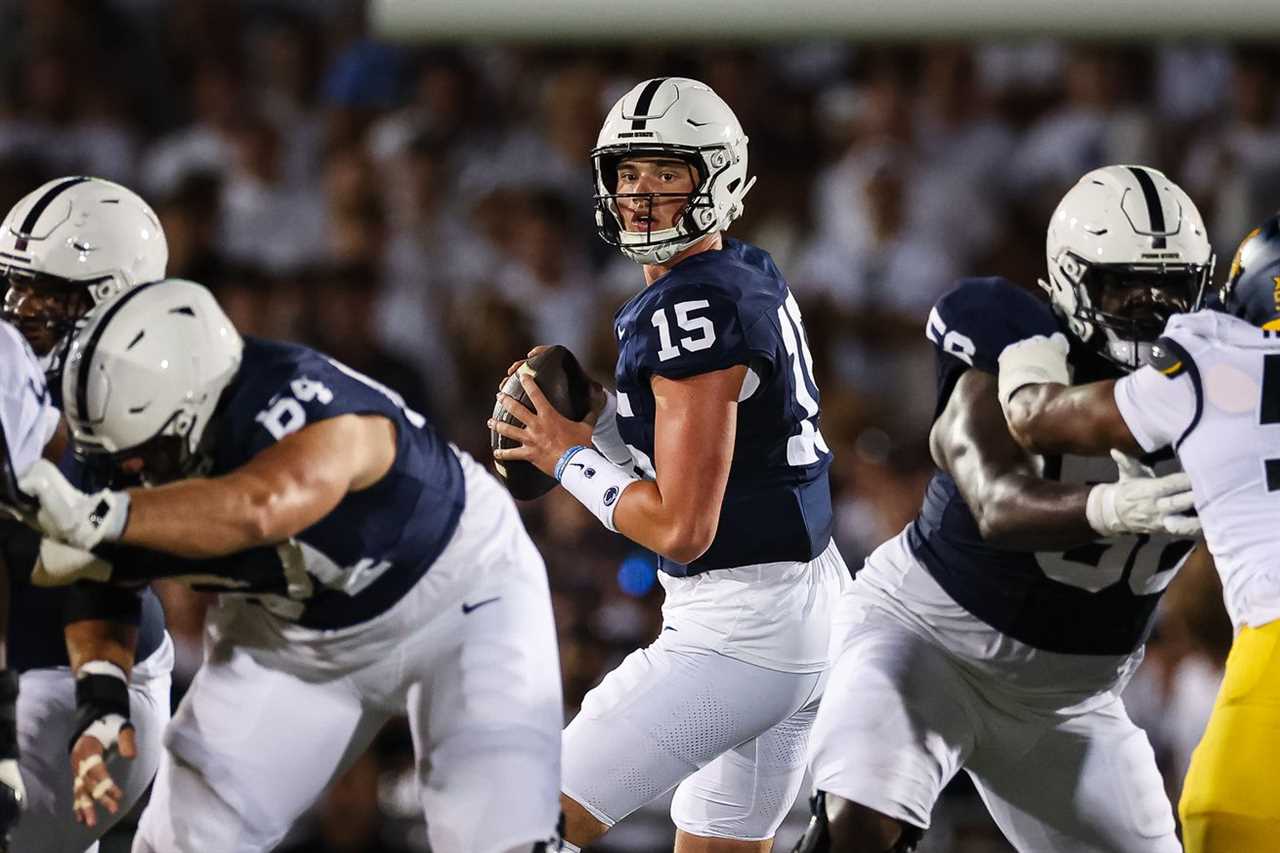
(103, 729)
(599, 397)
(68, 514)
(1141, 502)
(546, 434)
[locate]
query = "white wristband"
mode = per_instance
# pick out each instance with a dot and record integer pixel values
(596, 482)
(605, 435)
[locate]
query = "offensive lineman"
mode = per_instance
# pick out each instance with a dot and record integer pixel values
(717, 411)
(101, 685)
(996, 632)
(405, 582)
(1212, 393)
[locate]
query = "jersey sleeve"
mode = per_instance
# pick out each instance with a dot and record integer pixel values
(27, 414)
(692, 329)
(284, 399)
(1160, 401)
(973, 322)
(977, 319)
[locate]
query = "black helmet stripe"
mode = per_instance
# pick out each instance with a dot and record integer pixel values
(1155, 211)
(28, 225)
(644, 102)
(86, 357)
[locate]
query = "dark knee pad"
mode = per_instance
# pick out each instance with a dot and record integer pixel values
(817, 836)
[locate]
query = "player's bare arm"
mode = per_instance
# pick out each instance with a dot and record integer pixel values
(1014, 506)
(1083, 419)
(283, 490)
(677, 514)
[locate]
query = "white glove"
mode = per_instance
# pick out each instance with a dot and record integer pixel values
(60, 564)
(1141, 502)
(1032, 361)
(68, 514)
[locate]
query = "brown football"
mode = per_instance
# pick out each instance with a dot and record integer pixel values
(568, 389)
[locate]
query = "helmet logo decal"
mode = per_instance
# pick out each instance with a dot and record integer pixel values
(1155, 211)
(644, 102)
(1235, 261)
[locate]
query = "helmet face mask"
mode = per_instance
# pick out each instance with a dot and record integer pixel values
(1126, 250)
(163, 458)
(671, 118)
(692, 222)
(45, 308)
(1134, 303)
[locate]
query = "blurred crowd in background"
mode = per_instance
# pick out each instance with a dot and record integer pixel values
(425, 215)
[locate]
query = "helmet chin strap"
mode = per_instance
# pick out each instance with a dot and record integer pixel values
(656, 247)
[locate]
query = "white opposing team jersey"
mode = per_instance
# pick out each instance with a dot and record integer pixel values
(1217, 403)
(26, 411)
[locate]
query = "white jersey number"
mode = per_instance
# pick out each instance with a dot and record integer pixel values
(1269, 414)
(1104, 563)
(705, 332)
(802, 448)
(285, 415)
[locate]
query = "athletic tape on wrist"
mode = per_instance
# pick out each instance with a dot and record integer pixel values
(102, 693)
(1100, 509)
(1031, 362)
(121, 517)
(596, 482)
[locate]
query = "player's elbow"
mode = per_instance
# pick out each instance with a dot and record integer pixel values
(261, 518)
(686, 542)
(1025, 420)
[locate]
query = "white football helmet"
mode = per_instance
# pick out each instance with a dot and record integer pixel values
(69, 245)
(144, 374)
(1126, 248)
(675, 117)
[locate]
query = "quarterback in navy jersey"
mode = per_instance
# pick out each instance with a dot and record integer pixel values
(995, 633)
(93, 662)
(710, 455)
(373, 570)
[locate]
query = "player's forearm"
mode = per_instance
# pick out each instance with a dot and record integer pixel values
(1082, 419)
(1025, 512)
(203, 518)
(100, 639)
(646, 519)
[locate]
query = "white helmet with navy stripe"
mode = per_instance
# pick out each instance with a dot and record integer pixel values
(674, 117)
(71, 244)
(1126, 248)
(144, 374)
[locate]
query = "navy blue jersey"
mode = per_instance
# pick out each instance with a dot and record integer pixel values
(713, 311)
(376, 543)
(1097, 598)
